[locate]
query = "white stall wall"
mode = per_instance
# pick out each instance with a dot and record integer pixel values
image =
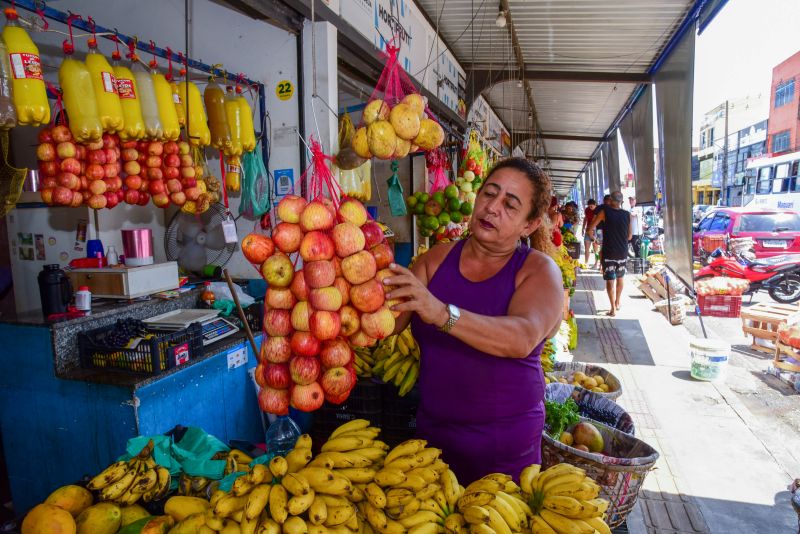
(217, 35)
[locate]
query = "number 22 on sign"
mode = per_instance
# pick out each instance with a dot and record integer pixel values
(284, 90)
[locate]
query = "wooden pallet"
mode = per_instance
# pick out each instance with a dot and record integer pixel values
(762, 321)
(782, 350)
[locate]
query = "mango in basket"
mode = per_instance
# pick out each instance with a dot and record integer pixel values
(566, 438)
(597, 390)
(578, 376)
(604, 388)
(589, 383)
(599, 379)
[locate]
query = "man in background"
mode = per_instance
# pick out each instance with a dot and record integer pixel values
(614, 250)
(636, 225)
(589, 242)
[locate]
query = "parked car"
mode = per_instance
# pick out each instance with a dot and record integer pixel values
(698, 211)
(774, 231)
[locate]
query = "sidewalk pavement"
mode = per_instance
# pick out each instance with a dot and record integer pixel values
(722, 469)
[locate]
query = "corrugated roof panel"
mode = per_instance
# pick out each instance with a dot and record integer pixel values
(578, 107)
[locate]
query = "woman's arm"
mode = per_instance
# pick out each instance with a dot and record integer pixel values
(597, 220)
(534, 312)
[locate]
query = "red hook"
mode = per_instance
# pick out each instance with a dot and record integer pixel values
(153, 62)
(169, 65)
(69, 47)
(184, 64)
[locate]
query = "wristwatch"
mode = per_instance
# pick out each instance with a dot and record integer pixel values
(455, 314)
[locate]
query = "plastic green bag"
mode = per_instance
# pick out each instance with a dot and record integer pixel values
(257, 195)
(396, 201)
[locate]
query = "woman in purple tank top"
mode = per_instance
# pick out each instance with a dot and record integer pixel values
(482, 309)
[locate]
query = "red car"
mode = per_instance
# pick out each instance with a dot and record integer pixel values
(774, 231)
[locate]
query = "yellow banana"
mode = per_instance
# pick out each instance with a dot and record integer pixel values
(374, 454)
(242, 486)
(454, 523)
(489, 486)
(145, 481)
(587, 489)
(257, 501)
(497, 522)
(450, 487)
(527, 476)
(427, 473)
(439, 466)
(432, 506)
(229, 504)
(240, 456)
(339, 515)
(109, 475)
(598, 524)
(521, 509)
(296, 483)
(339, 486)
(248, 526)
(358, 475)
(389, 477)
(332, 501)
(355, 424)
(268, 526)
(318, 511)
(278, 504)
(480, 498)
(376, 517)
(593, 508)
(500, 478)
(375, 495)
(407, 448)
(300, 503)
(428, 456)
(563, 479)
(565, 525)
(367, 433)
(341, 460)
(540, 526)
(508, 512)
(357, 493)
(475, 515)
(511, 487)
(259, 474)
(483, 528)
(554, 472)
(424, 528)
(402, 463)
(441, 501)
(428, 492)
(164, 481)
(278, 466)
(303, 442)
(393, 527)
(295, 525)
(413, 482)
(398, 497)
(407, 510)
(114, 490)
(566, 506)
(345, 444)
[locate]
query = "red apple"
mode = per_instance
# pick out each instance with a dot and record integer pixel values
(95, 172)
(383, 274)
(188, 172)
(61, 134)
(307, 398)
(316, 216)
(337, 264)
(144, 198)
(359, 267)
(278, 322)
(97, 187)
(130, 154)
(344, 288)
(45, 136)
(132, 181)
(47, 195)
(50, 168)
(98, 202)
(274, 401)
(62, 196)
(49, 183)
(171, 173)
(186, 161)
(278, 270)
(335, 353)
(142, 157)
(287, 237)
(69, 180)
(304, 344)
(290, 207)
(71, 165)
(383, 255)
(178, 198)
(170, 147)
(98, 157)
(80, 152)
(66, 150)
(132, 167)
(367, 297)
(319, 273)
(325, 324)
(348, 239)
(350, 319)
(161, 200)
(280, 299)
(301, 313)
(192, 193)
(337, 381)
(46, 152)
(174, 185)
(372, 234)
(325, 298)
(116, 183)
(277, 375)
(111, 199)
(299, 288)
(360, 339)
(379, 324)
(304, 369)
(276, 350)
(111, 170)
(188, 182)
(155, 148)
(111, 155)
(132, 196)
(316, 246)
(153, 162)
(155, 187)
(353, 211)
(154, 173)
(86, 194)
(172, 160)
(77, 199)
(109, 141)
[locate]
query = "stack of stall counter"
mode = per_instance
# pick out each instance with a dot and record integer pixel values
(214, 327)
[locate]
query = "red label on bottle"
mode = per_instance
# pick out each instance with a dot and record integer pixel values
(125, 88)
(232, 168)
(25, 65)
(109, 82)
(181, 353)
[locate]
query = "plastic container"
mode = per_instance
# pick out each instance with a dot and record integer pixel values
(282, 435)
(8, 115)
(29, 93)
(112, 257)
(214, 98)
(147, 99)
(166, 106)
(709, 358)
(83, 299)
(128, 92)
(79, 100)
(106, 93)
(196, 119)
(233, 114)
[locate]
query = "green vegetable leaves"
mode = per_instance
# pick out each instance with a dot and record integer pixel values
(559, 416)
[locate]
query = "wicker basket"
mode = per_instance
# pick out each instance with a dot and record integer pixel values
(590, 404)
(620, 474)
(563, 369)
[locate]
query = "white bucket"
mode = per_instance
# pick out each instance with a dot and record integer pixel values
(709, 358)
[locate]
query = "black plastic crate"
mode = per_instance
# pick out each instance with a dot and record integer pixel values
(364, 402)
(255, 316)
(394, 403)
(399, 415)
(164, 350)
(638, 265)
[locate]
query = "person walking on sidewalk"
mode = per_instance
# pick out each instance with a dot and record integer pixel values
(614, 250)
(589, 243)
(636, 226)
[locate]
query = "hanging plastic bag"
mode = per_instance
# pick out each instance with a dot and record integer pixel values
(79, 98)
(395, 193)
(257, 195)
(109, 108)
(133, 121)
(347, 159)
(396, 120)
(438, 164)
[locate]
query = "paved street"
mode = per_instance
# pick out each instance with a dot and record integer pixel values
(729, 449)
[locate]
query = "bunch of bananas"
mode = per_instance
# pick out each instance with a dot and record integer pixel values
(494, 504)
(414, 492)
(548, 356)
(396, 360)
(363, 361)
(563, 499)
(126, 482)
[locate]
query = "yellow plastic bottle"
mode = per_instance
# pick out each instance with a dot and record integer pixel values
(79, 100)
(233, 174)
(180, 109)
(166, 106)
(8, 115)
(147, 99)
(214, 98)
(246, 116)
(233, 114)
(197, 125)
(109, 108)
(30, 94)
(133, 122)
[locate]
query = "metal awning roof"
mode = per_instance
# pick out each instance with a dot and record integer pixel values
(581, 62)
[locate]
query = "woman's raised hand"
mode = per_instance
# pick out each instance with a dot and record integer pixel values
(414, 296)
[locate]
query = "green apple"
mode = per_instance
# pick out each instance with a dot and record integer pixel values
(469, 176)
(411, 201)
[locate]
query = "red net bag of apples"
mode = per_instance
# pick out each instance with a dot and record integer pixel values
(324, 264)
(396, 120)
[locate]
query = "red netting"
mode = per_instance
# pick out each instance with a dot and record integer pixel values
(394, 84)
(322, 182)
(438, 164)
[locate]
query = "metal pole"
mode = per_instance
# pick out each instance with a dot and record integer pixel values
(725, 161)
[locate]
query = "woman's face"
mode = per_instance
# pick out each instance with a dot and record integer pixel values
(502, 207)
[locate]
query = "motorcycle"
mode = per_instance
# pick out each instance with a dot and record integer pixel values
(778, 275)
